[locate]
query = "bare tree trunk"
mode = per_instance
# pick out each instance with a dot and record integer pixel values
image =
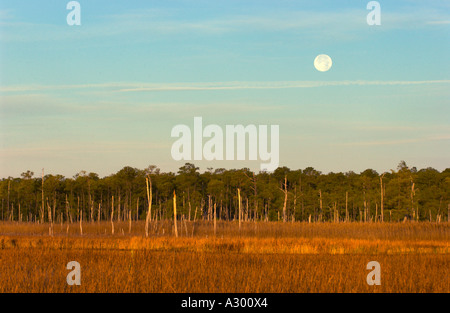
(129, 221)
(209, 208)
(67, 215)
(149, 197)
(295, 203)
(54, 206)
(42, 207)
(214, 219)
(81, 223)
(175, 213)
(285, 198)
(193, 226)
(50, 220)
(118, 210)
(376, 212)
(413, 192)
(91, 204)
(7, 199)
(255, 191)
(239, 205)
(189, 211)
(382, 197)
(99, 212)
(92, 211)
(112, 215)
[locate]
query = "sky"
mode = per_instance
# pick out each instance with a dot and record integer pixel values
(107, 93)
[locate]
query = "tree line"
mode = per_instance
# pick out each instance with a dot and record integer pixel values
(283, 195)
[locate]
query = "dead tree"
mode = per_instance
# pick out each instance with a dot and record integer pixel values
(239, 205)
(413, 193)
(7, 200)
(285, 198)
(175, 213)
(67, 215)
(129, 221)
(193, 225)
(149, 197)
(42, 206)
(214, 219)
(50, 220)
(118, 209)
(112, 215)
(81, 223)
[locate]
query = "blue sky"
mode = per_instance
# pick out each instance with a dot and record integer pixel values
(106, 94)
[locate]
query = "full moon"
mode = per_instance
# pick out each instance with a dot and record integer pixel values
(323, 62)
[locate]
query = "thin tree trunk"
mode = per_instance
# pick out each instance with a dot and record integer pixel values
(112, 215)
(175, 213)
(42, 207)
(50, 220)
(239, 205)
(382, 198)
(54, 205)
(129, 221)
(285, 198)
(413, 192)
(91, 204)
(81, 223)
(209, 208)
(189, 212)
(214, 219)
(195, 217)
(67, 215)
(118, 210)
(376, 212)
(7, 199)
(149, 197)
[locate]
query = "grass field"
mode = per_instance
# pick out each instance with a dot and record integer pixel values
(260, 257)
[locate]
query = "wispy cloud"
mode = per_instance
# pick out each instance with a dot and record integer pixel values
(35, 87)
(274, 85)
(201, 86)
(396, 142)
(342, 24)
(88, 147)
